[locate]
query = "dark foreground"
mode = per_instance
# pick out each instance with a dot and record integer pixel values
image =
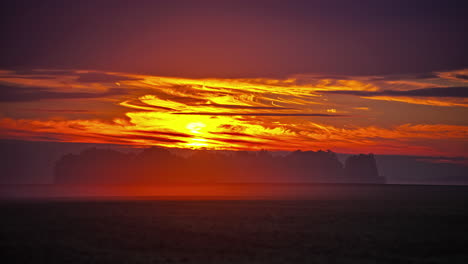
(403, 224)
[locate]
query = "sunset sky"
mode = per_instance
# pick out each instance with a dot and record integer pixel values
(353, 78)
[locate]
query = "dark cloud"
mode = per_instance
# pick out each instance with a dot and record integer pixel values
(442, 159)
(461, 92)
(240, 141)
(256, 114)
(29, 77)
(55, 110)
(160, 133)
(90, 77)
(461, 76)
(235, 134)
(95, 77)
(10, 93)
(246, 107)
(44, 72)
(332, 77)
(398, 77)
(138, 103)
(457, 92)
(151, 138)
(33, 135)
(239, 134)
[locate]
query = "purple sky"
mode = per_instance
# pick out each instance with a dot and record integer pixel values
(236, 38)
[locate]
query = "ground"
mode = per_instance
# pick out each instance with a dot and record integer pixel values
(424, 224)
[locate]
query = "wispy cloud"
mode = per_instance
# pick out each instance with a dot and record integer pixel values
(458, 92)
(257, 114)
(301, 112)
(436, 96)
(11, 93)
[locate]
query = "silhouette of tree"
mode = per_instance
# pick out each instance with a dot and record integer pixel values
(363, 167)
(159, 165)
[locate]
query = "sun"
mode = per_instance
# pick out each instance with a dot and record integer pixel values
(196, 127)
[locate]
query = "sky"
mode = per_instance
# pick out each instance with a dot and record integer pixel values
(387, 77)
(236, 38)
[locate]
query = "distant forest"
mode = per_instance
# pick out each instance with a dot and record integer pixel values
(159, 165)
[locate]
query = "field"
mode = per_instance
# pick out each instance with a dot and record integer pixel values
(396, 224)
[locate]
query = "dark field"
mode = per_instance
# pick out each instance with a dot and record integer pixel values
(396, 224)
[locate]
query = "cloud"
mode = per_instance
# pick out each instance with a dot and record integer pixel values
(256, 114)
(11, 93)
(458, 92)
(96, 77)
(77, 111)
(161, 133)
(44, 72)
(398, 77)
(152, 139)
(81, 77)
(423, 101)
(445, 160)
(435, 96)
(237, 114)
(248, 107)
(31, 77)
(461, 76)
(145, 129)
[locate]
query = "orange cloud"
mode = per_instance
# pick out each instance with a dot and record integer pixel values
(235, 114)
(423, 101)
(236, 133)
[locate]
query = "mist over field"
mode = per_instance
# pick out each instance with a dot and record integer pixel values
(42, 157)
(334, 224)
